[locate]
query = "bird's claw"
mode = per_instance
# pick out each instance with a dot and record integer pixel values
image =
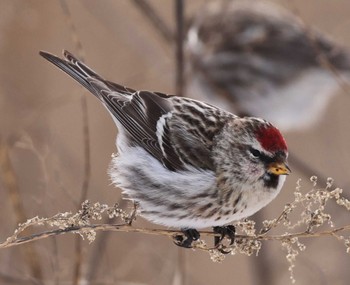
(226, 231)
(185, 240)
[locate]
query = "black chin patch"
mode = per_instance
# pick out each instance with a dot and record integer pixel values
(271, 180)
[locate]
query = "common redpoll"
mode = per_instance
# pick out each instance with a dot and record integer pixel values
(188, 164)
(259, 59)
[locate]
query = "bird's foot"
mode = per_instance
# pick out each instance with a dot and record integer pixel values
(185, 240)
(225, 231)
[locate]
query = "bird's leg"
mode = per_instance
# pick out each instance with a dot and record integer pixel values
(225, 231)
(185, 240)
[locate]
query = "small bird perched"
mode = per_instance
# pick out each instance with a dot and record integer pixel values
(259, 59)
(186, 163)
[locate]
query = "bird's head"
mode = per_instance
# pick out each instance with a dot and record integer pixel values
(251, 152)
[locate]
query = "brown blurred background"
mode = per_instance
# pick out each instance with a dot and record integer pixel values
(41, 132)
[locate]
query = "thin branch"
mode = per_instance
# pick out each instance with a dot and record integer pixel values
(262, 263)
(85, 114)
(179, 277)
(179, 274)
(71, 26)
(86, 139)
(179, 53)
(158, 23)
(9, 179)
(321, 56)
(100, 246)
(124, 227)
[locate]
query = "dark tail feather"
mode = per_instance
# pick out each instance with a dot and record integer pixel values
(73, 67)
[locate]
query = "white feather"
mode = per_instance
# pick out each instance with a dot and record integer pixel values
(191, 180)
(160, 129)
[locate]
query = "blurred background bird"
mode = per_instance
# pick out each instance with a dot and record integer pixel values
(255, 58)
(260, 59)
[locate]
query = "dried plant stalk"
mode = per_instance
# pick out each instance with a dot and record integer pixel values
(248, 241)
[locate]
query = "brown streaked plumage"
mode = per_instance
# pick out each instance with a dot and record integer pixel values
(187, 163)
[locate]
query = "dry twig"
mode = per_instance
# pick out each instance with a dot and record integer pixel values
(86, 138)
(9, 179)
(312, 222)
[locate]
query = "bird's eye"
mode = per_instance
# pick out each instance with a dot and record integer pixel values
(254, 152)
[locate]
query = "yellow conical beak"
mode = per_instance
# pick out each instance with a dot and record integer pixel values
(279, 168)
